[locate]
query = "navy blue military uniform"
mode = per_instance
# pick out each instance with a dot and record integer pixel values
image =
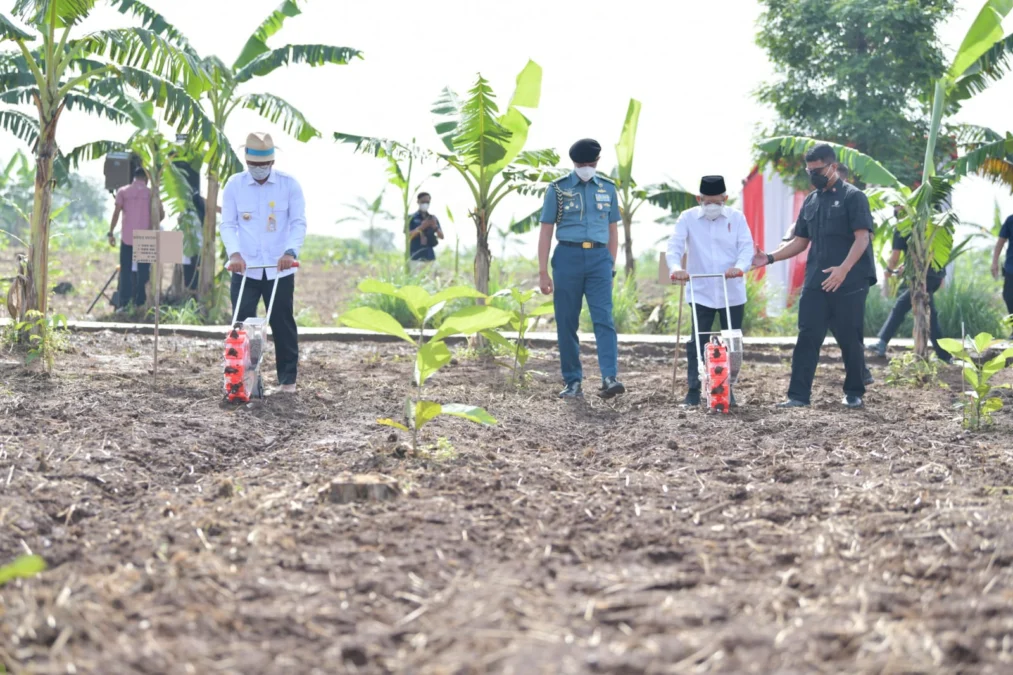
(582, 268)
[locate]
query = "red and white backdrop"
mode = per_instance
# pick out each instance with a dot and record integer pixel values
(771, 207)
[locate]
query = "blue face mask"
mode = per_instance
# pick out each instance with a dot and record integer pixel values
(259, 172)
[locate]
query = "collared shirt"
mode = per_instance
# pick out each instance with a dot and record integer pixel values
(829, 220)
(261, 222)
(135, 202)
(900, 244)
(1006, 232)
(588, 208)
(712, 247)
(419, 250)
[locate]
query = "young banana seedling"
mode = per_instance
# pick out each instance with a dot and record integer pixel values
(430, 355)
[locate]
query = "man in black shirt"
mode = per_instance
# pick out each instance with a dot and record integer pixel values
(835, 219)
(933, 281)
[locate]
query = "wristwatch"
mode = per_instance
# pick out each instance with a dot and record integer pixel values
(291, 253)
(770, 258)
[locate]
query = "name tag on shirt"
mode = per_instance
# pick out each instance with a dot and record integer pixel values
(602, 197)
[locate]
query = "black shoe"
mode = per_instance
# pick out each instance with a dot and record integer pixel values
(879, 349)
(792, 403)
(692, 398)
(731, 400)
(853, 402)
(572, 390)
(611, 387)
(867, 377)
(946, 360)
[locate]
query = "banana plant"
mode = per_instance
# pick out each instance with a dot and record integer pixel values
(670, 197)
(14, 179)
(157, 153)
(54, 69)
(366, 212)
(980, 363)
(520, 322)
(430, 355)
(974, 66)
(486, 149)
(401, 159)
(223, 97)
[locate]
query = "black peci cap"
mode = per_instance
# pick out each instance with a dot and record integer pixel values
(585, 150)
(712, 186)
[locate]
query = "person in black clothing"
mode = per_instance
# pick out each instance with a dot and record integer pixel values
(843, 173)
(933, 281)
(836, 221)
(1005, 234)
(425, 231)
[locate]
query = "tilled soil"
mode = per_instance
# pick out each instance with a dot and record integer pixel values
(184, 535)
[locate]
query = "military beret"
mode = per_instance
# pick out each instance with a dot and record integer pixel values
(712, 186)
(585, 150)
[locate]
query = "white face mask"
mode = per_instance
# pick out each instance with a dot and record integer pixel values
(259, 172)
(713, 211)
(424, 207)
(585, 173)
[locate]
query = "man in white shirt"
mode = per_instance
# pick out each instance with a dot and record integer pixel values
(264, 223)
(715, 239)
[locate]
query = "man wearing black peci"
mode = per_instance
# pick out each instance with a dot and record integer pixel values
(836, 221)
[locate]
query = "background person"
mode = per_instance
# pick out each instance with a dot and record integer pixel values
(933, 282)
(424, 231)
(716, 240)
(134, 202)
(1005, 234)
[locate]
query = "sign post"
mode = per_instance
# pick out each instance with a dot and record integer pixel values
(155, 247)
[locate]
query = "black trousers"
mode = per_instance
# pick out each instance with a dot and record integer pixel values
(903, 306)
(818, 311)
(1007, 292)
(191, 274)
(705, 320)
(132, 285)
(283, 328)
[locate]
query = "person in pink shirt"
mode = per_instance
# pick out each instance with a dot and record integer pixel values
(134, 202)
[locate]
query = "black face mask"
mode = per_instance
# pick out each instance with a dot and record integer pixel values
(818, 180)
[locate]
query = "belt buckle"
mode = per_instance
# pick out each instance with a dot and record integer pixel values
(587, 244)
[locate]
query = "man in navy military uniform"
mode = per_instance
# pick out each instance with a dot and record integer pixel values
(584, 210)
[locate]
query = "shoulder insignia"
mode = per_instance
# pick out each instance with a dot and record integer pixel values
(606, 180)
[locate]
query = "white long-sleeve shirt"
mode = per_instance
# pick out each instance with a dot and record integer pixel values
(712, 247)
(261, 222)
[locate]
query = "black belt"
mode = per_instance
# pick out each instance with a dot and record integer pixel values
(583, 244)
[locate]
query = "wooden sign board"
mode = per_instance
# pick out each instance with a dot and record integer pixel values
(153, 246)
(158, 247)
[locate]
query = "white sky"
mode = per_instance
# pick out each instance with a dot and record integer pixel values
(693, 64)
